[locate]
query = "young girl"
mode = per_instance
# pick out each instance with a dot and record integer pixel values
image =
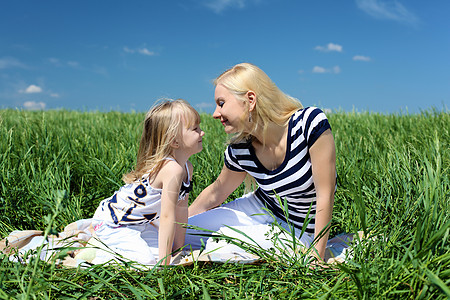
(140, 221)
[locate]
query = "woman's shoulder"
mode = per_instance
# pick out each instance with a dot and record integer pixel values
(308, 110)
(308, 115)
(237, 152)
(241, 149)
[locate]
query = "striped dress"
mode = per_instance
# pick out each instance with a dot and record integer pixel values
(292, 181)
(136, 203)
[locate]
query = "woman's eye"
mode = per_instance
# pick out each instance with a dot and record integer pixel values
(220, 103)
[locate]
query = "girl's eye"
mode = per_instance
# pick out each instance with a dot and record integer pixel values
(220, 103)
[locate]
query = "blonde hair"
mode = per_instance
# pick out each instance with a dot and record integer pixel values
(162, 125)
(272, 105)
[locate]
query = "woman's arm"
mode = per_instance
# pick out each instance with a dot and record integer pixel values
(323, 160)
(171, 175)
(217, 192)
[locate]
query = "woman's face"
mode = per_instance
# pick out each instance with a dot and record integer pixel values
(229, 110)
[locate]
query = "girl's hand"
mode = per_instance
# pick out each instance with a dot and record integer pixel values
(171, 176)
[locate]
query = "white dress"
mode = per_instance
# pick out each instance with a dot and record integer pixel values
(128, 222)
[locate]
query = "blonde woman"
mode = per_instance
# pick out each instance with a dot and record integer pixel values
(287, 149)
(140, 221)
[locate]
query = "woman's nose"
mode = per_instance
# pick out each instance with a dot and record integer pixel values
(216, 113)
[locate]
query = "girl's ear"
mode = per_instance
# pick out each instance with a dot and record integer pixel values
(175, 144)
(251, 97)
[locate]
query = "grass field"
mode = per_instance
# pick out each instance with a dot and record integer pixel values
(393, 181)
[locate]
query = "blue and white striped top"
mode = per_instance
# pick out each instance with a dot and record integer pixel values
(292, 180)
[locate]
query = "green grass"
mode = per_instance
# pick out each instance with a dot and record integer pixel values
(393, 181)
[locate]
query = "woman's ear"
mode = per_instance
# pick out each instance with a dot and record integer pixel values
(251, 97)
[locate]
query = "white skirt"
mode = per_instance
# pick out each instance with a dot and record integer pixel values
(137, 243)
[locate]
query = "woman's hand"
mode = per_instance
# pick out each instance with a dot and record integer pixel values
(217, 192)
(323, 160)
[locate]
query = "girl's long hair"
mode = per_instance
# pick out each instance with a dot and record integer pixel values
(272, 105)
(162, 125)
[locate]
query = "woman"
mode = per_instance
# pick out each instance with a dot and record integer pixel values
(288, 150)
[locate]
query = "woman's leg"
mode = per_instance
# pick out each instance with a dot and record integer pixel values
(244, 211)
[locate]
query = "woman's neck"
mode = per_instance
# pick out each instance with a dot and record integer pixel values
(271, 151)
(273, 137)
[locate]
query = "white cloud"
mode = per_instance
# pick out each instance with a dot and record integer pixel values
(218, 6)
(143, 51)
(32, 89)
(77, 66)
(334, 47)
(54, 95)
(54, 61)
(100, 70)
(128, 50)
(361, 58)
(318, 69)
(32, 105)
(336, 70)
(205, 104)
(73, 64)
(10, 62)
(330, 47)
(322, 70)
(388, 10)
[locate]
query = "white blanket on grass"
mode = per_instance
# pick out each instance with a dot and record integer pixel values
(77, 245)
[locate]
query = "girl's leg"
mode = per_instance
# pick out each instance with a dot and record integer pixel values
(125, 241)
(244, 211)
(150, 236)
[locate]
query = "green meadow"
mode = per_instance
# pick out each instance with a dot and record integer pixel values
(393, 184)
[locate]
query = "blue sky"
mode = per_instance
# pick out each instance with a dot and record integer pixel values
(384, 56)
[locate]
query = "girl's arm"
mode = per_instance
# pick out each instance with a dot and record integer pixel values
(323, 160)
(182, 217)
(171, 176)
(217, 192)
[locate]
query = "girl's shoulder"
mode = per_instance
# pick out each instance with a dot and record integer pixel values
(169, 170)
(190, 169)
(172, 167)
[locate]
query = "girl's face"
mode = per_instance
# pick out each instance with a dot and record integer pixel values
(192, 139)
(229, 110)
